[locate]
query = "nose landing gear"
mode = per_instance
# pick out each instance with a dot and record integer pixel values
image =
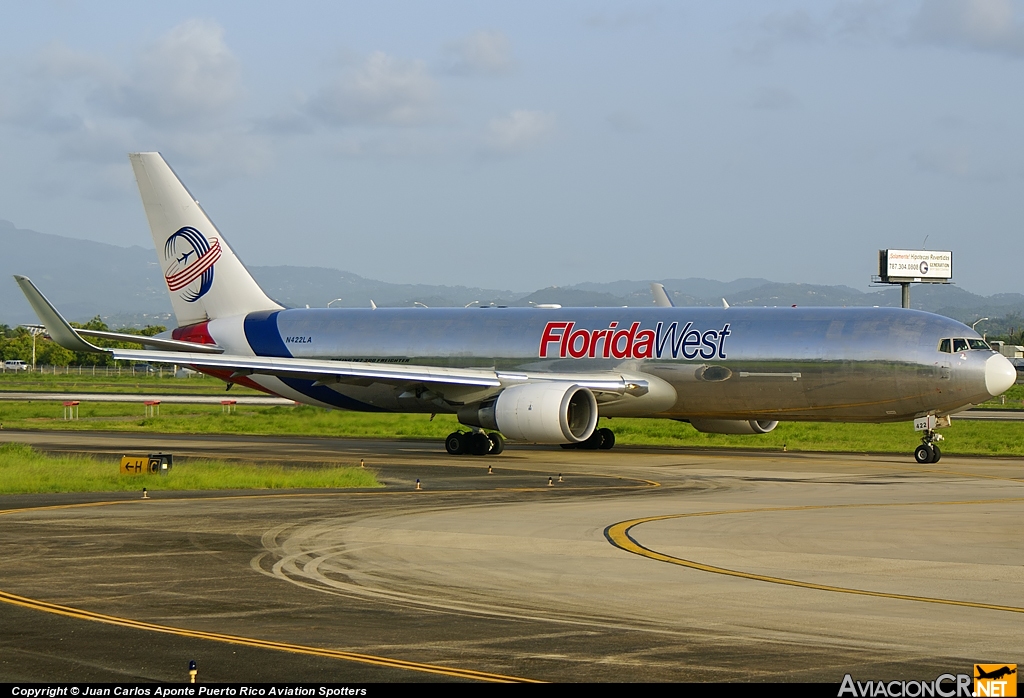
(929, 451)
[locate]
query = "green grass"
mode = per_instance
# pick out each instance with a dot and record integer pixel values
(1012, 399)
(965, 437)
(74, 381)
(23, 470)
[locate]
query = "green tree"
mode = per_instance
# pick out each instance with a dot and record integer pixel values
(50, 353)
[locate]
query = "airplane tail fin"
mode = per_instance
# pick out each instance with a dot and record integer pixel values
(204, 277)
(661, 297)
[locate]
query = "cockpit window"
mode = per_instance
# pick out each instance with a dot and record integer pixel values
(959, 344)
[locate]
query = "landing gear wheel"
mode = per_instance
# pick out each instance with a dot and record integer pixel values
(479, 444)
(456, 443)
(497, 443)
(569, 447)
(924, 453)
(937, 453)
(607, 438)
(593, 442)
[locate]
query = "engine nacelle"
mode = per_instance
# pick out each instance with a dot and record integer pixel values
(733, 426)
(543, 413)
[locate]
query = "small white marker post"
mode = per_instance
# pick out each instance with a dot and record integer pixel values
(145, 494)
(418, 483)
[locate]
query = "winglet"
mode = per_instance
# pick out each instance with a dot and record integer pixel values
(661, 298)
(56, 326)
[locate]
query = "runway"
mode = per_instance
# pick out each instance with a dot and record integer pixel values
(641, 565)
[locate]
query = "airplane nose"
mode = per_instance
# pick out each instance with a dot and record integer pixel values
(999, 375)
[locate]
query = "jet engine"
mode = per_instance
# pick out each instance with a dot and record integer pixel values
(733, 426)
(544, 413)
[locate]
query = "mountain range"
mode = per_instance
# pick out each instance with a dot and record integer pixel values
(124, 286)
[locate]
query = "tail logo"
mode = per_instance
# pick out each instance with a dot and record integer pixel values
(191, 258)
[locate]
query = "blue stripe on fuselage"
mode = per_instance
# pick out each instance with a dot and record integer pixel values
(265, 339)
(262, 334)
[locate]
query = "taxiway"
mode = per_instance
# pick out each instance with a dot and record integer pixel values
(641, 565)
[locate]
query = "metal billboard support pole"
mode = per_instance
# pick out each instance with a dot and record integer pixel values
(906, 294)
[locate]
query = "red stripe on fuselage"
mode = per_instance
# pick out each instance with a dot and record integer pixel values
(225, 375)
(200, 334)
(197, 334)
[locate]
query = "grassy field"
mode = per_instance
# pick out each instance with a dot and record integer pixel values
(965, 437)
(23, 469)
(996, 438)
(1012, 399)
(84, 382)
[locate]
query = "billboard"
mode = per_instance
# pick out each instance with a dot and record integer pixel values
(915, 265)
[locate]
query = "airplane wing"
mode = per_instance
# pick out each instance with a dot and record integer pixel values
(315, 369)
(327, 371)
(324, 371)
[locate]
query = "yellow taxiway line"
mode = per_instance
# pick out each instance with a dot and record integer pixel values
(618, 534)
(80, 614)
(262, 644)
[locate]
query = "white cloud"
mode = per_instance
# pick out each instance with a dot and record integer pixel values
(775, 98)
(519, 131)
(480, 53)
(57, 62)
(177, 94)
(624, 122)
(383, 90)
(963, 162)
(850, 20)
(188, 75)
(865, 19)
(394, 145)
(984, 25)
(51, 88)
(624, 20)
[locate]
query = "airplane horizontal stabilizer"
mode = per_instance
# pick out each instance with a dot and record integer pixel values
(68, 337)
(56, 326)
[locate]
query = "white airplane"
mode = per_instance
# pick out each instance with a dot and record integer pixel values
(545, 374)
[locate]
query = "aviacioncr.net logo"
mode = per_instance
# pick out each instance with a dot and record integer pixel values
(190, 258)
(944, 686)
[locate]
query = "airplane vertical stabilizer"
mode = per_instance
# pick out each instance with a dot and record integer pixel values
(204, 277)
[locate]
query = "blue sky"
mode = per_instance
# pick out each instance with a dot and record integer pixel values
(523, 145)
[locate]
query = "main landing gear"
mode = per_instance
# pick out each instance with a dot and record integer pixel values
(602, 439)
(474, 443)
(928, 451)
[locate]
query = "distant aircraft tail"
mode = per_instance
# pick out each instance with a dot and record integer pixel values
(204, 277)
(661, 297)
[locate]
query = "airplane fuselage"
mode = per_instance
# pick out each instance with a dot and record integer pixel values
(821, 364)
